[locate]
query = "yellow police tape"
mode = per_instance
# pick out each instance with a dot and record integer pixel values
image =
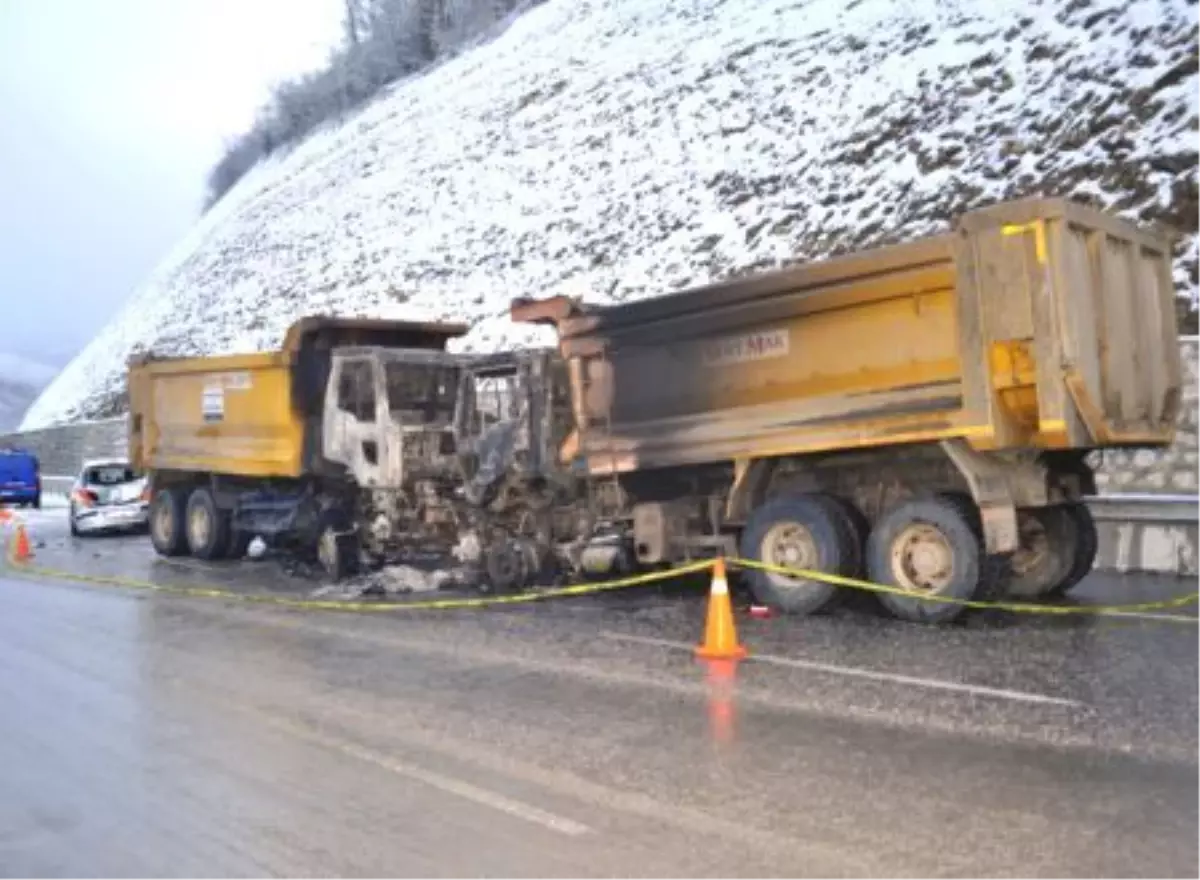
(1015, 607)
(585, 589)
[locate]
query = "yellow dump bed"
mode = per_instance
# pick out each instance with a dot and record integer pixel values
(230, 415)
(251, 415)
(1038, 323)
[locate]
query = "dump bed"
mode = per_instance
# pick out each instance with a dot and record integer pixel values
(252, 415)
(1036, 323)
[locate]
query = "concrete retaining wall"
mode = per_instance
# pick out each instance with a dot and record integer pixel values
(1173, 470)
(62, 450)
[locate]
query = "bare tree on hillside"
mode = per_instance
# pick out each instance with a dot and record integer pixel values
(383, 41)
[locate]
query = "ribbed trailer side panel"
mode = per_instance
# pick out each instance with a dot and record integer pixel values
(1076, 309)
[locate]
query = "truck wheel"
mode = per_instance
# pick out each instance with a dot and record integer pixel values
(337, 546)
(857, 528)
(167, 515)
(208, 527)
(506, 565)
(931, 546)
(1087, 544)
(801, 532)
(1047, 553)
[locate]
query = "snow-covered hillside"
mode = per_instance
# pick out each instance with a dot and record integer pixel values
(621, 148)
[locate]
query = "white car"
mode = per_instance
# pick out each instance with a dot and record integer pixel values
(108, 496)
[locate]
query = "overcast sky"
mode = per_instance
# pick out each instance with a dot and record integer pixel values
(111, 114)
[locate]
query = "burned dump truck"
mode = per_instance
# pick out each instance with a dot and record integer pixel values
(919, 414)
(523, 513)
(357, 441)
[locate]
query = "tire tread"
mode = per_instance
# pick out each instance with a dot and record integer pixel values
(776, 509)
(920, 611)
(1087, 545)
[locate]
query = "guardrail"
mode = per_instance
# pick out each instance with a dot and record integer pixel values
(57, 485)
(1146, 508)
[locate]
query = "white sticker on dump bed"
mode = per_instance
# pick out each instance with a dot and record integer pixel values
(212, 402)
(758, 346)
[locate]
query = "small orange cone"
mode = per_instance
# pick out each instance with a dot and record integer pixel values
(22, 551)
(720, 637)
(5, 514)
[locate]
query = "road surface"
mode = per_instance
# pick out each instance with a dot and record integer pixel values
(145, 735)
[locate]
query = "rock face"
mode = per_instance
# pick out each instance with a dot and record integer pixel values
(1172, 471)
(623, 148)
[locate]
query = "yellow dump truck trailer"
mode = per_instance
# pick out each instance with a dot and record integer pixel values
(919, 413)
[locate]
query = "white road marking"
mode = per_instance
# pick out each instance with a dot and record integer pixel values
(1151, 615)
(856, 672)
(448, 784)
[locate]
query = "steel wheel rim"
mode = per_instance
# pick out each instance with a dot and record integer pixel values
(162, 523)
(506, 564)
(789, 545)
(1034, 545)
(199, 526)
(922, 559)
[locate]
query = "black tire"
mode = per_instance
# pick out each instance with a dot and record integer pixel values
(1049, 537)
(75, 533)
(829, 539)
(337, 547)
(859, 530)
(239, 543)
(37, 501)
(1087, 544)
(505, 567)
(207, 526)
(955, 523)
(168, 510)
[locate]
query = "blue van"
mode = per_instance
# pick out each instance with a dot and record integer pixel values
(20, 478)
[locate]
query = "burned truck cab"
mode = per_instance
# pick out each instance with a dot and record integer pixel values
(451, 453)
(389, 421)
(389, 415)
(521, 501)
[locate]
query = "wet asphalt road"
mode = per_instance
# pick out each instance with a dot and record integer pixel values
(146, 735)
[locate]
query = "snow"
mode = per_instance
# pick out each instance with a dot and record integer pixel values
(623, 148)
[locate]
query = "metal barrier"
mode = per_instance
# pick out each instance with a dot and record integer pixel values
(56, 484)
(1146, 508)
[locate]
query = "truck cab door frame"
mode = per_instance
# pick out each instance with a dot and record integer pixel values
(357, 424)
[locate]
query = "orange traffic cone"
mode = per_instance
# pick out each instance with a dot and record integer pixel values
(22, 551)
(720, 637)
